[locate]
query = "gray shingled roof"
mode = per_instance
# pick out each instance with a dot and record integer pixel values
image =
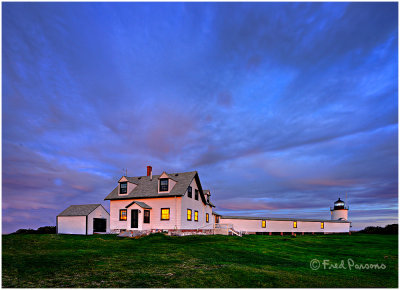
(79, 210)
(139, 203)
(147, 188)
(283, 219)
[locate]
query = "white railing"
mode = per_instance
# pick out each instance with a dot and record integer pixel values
(230, 229)
(207, 227)
(223, 226)
(237, 233)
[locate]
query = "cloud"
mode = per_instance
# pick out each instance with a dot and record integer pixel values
(281, 107)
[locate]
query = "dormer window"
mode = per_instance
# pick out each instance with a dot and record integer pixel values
(123, 188)
(164, 184)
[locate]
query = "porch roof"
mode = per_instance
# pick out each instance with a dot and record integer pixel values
(139, 203)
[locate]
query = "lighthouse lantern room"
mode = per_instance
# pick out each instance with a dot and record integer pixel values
(339, 210)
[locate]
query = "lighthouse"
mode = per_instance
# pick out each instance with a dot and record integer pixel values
(339, 211)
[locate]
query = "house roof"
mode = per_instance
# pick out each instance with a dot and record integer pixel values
(139, 203)
(147, 188)
(283, 219)
(79, 210)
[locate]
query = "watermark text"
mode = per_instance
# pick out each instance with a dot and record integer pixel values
(348, 264)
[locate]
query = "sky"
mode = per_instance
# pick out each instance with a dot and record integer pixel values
(280, 107)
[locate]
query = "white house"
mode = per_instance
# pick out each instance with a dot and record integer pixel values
(168, 202)
(84, 219)
(177, 202)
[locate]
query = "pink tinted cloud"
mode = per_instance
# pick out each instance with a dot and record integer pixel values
(245, 204)
(34, 187)
(169, 130)
(332, 182)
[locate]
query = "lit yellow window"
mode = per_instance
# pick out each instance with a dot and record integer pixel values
(264, 224)
(207, 218)
(196, 216)
(189, 214)
(322, 225)
(165, 214)
(295, 224)
(122, 214)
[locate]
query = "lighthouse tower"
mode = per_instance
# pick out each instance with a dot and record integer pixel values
(339, 211)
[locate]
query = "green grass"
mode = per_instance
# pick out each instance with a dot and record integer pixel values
(196, 261)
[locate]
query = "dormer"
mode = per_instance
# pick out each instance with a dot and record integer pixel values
(125, 186)
(165, 183)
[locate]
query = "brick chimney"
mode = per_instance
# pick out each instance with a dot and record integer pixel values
(149, 170)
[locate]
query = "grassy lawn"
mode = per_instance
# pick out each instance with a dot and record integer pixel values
(196, 261)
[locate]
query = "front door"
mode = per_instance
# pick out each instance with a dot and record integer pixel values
(134, 218)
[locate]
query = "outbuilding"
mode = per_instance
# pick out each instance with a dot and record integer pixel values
(84, 219)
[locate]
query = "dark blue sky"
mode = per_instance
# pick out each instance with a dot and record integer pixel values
(281, 108)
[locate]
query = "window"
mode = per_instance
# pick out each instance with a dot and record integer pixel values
(295, 224)
(264, 224)
(146, 216)
(189, 214)
(216, 219)
(322, 225)
(196, 216)
(123, 188)
(190, 191)
(196, 194)
(164, 184)
(207, 218)
(165, 214)
(122, 214)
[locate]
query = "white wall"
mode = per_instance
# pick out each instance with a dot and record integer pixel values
(72, 225)
(337, 227)
(193, 204)
(284, 226)
(339, 213)
(243, 224)
(173, 203)
(99, 212)
(287, 226)
(141, 225)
